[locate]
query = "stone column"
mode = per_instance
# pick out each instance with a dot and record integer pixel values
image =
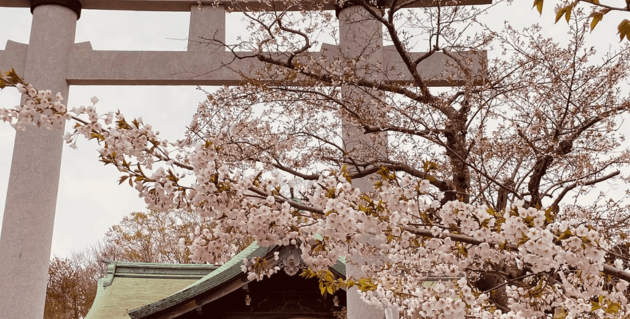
(361, 35)
(29, 212)
(206, 23)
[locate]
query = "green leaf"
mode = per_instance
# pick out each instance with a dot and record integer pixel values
(539, 5)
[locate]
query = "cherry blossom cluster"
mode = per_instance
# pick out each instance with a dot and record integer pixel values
(40, 108)
(257, 268)
(425, 255)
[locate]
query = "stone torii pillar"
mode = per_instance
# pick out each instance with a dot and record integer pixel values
(361, 35)
(29, 211)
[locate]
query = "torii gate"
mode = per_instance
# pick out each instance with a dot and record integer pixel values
(53, 61)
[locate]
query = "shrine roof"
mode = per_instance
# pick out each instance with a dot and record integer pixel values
(215, 284)
(227, 271)
(130, 285)
(146, 290)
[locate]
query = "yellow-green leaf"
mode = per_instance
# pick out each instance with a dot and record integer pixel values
(560, 314)
(559, 14)
(539, 5)
(597, 304)
(596, 17)
(624, 30)
(549, 217)
(565, 11)
(566, 234)
(613, 307)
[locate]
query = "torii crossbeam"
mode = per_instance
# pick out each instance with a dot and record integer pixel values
(53, 61)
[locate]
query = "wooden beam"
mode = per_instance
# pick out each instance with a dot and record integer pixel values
(202, 299)
(184, 5)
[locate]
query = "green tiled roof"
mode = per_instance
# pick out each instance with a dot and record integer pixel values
(340, 267)
(224, 273)
(131, 285)
(155, 270)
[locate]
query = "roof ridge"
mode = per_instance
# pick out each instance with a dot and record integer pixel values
(131, 264)
(154, 270)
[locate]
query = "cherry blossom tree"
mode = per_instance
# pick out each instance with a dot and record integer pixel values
(489, 181)
(149, 237)
(153, 237)
(70, 291)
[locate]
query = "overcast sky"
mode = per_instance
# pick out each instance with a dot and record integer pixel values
(90, 200)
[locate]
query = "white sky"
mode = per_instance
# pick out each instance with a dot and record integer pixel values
(90, 199)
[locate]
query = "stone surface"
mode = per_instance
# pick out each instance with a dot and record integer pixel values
(13, 57)
(184, 5)
(361, 35)
(206, 23)
(29, 211)
(204, 68)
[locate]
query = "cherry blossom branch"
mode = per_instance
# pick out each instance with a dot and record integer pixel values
(608, 270)
(556, 202)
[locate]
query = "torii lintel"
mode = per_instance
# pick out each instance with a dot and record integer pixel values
(235, 5)
(93, 67)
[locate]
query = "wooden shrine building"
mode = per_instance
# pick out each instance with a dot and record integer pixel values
(145, 290)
